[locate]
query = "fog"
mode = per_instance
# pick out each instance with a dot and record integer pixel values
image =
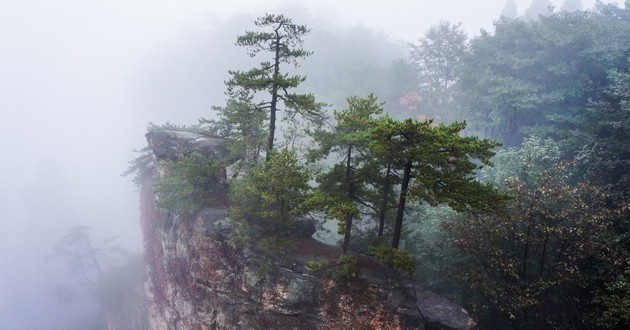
(80, 80)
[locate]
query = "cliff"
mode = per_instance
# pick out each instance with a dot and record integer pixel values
(199, 279)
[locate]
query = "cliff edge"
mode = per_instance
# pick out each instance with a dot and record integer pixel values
(199, 279)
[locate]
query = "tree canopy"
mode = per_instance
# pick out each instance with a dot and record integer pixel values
(348, 181)
(262, 88)
(438, 165)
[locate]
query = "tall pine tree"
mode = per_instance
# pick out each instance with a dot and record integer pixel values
(265, 87)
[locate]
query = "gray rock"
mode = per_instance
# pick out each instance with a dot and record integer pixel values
(304, 228)
(441, 313)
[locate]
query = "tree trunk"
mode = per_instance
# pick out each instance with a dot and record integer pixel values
(274, 98)
(346, 234)
(383, 210)
(401, 204)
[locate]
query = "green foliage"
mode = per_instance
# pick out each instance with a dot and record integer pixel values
(436, 58)
(190, 183)
(261, 89)
(529, 261)
(400, 260)
(351, 129)
(168, 126)
(615, 299)
(525, 164)
(558, 85)
(244, 126)
(425, 240)
(346, 184)
(601, 145)
(539, 75)
(266, 203)
(438, 165)
(552, 89)
(316, 265)
(141, 166)
(346, 268)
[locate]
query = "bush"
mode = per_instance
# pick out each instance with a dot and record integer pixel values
(266, 203)
(316, 265)
(346, 268)
(400, 260)
(189, 184)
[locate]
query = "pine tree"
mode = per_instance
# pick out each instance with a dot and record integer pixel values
(266, 204)
(264, 87)
(345, 183)
(437, 164)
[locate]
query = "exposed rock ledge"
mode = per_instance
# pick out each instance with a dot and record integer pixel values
(197, 280)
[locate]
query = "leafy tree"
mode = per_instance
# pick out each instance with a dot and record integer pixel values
(551, 211)
(267, 202)
(425, 239)
(527, 163)
(105, 273)
(283, 39)
(538, 76)
(537, 264)
(615, 302)
(437, 164)
(613, 11)
(84, 259)
(436, 59)
(601, 146)
(601, 151)
(346, 183)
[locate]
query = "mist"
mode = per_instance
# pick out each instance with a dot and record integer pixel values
(80, 81)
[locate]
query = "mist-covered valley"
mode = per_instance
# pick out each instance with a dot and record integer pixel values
(80, 82)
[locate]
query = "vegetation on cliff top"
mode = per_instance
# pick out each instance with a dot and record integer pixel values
(539, 240)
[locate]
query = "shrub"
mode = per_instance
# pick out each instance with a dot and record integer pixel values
(400, 260)
(316, 265)
(346, 267)
(265, 204)
(189, 183)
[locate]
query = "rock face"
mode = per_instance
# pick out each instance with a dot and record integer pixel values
(198, 279)
(441, 313)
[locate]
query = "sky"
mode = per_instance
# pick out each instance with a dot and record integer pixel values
(76, 85)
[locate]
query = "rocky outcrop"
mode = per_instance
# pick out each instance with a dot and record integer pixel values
(172, 145)
(441, 313)
(199, 279)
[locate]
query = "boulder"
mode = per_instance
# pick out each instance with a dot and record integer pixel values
(441, 313)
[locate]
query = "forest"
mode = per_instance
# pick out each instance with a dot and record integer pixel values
(494, 170)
